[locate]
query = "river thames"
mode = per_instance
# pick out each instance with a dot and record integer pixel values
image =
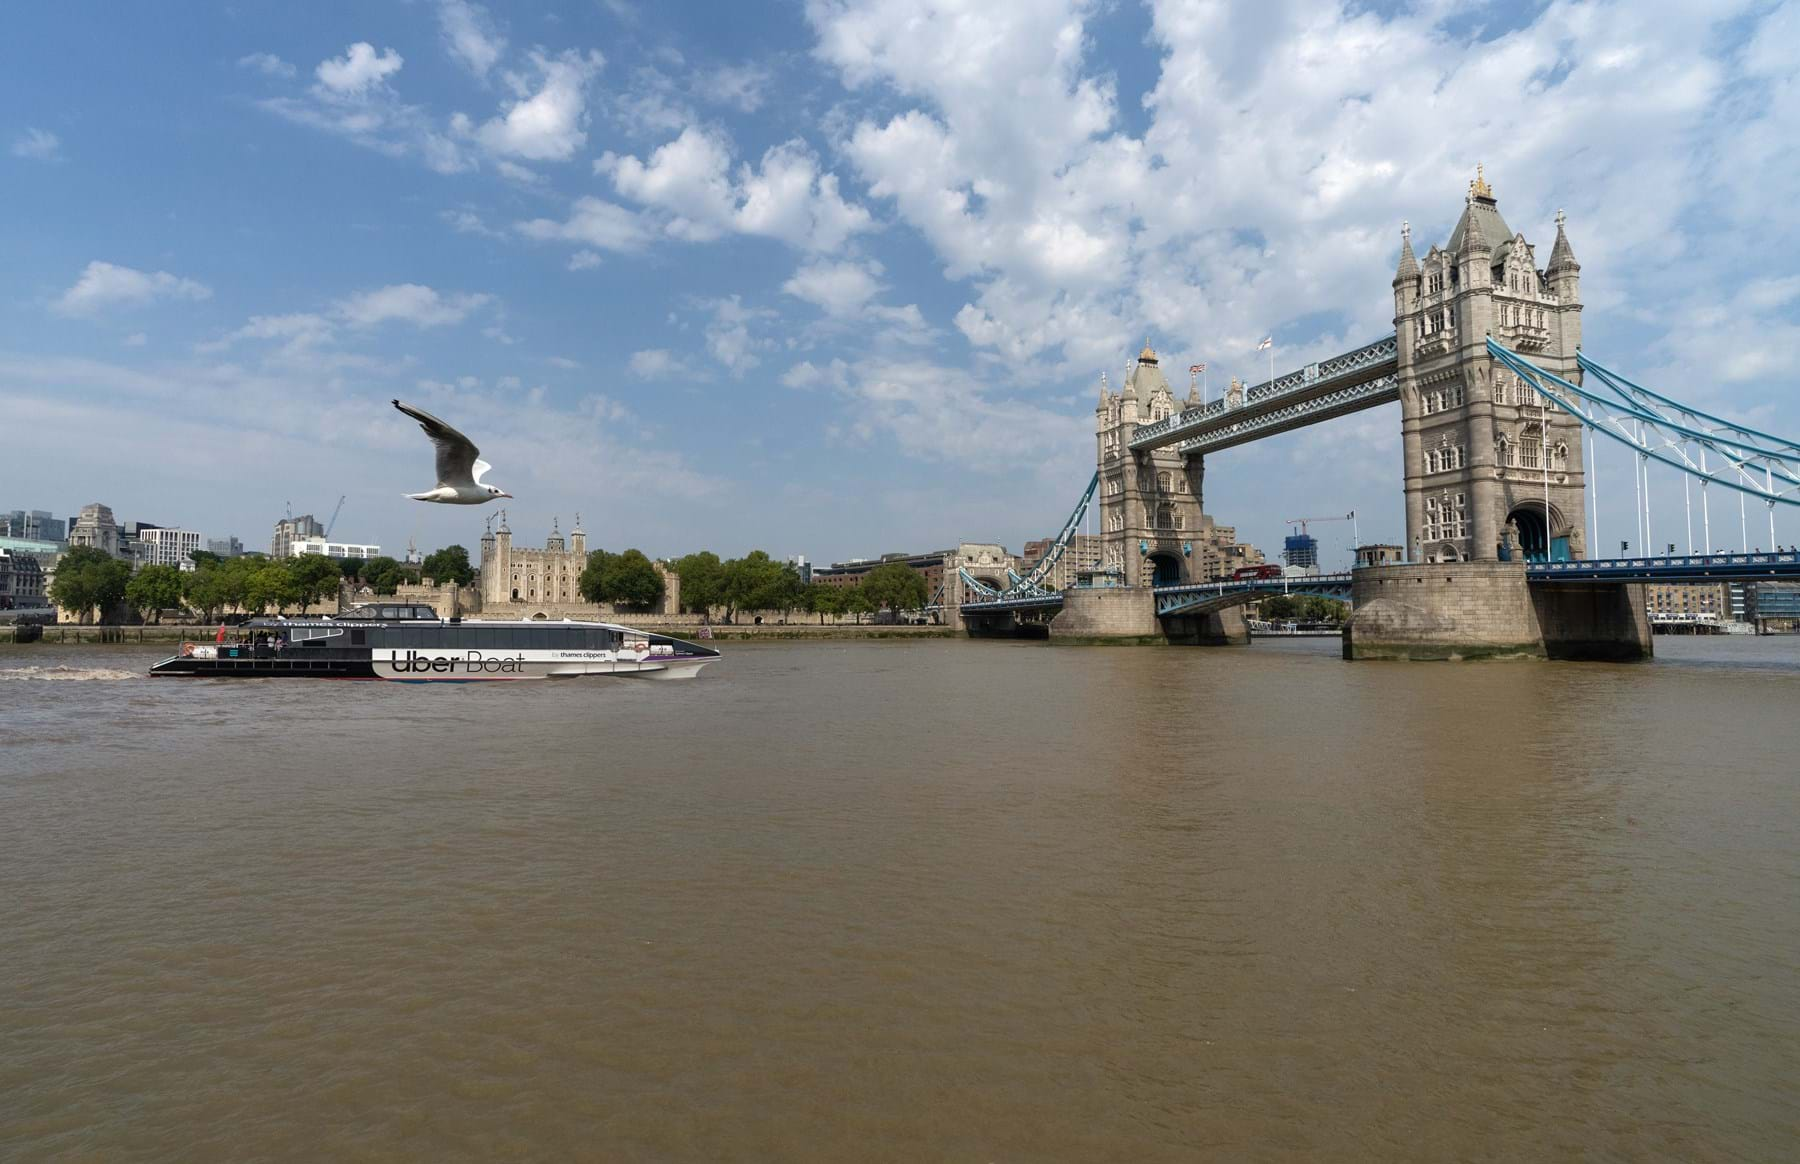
(908, 901)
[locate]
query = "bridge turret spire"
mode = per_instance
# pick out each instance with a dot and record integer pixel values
(1409, 263)
(1474, 240)
(1562, 256)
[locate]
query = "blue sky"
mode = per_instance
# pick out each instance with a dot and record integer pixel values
(835, 277)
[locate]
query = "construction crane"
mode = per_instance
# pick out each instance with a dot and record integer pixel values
(1301, 522)
(330, 525)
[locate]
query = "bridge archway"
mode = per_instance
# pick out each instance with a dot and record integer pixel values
(1540, 540)
(1165, 569)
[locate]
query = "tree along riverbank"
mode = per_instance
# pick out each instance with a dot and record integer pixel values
(101, 636)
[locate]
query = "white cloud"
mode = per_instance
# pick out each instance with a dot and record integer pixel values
(468, 222)
(838, 289)
(470, 35)
(592, 222)
(268, 64)
(38, 144)
(939, 413)
(686, 178)
(657, 364)
(103, 286)
(358, 70)
(788, 197)
(352, 100)
(514, 172)
(545, 124)
(729, 337)
(740, 86)
(409, 303)
(688, 181)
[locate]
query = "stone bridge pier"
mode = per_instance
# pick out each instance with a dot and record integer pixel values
(1477, 610)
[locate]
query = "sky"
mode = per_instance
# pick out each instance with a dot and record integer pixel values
(835, 277)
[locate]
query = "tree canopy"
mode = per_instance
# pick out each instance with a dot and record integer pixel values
(312, 578)
(702, 581)
(383, 574)
(759, 582)
(823, 600)
(89, 580)
(152, 589)
(628, 578)
(894, 586)
(450, 564)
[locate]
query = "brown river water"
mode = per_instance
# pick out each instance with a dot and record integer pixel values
(884, 901)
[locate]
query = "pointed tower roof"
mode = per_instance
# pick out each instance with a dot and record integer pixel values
(1409, 265)
(1146, 378)
(1481, 217)
(1562, 256)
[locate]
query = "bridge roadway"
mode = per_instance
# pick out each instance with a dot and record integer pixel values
(1672, 568)
(1195, 598)
(1207, 597)
(1358, 379)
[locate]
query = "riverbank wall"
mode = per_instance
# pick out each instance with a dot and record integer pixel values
(100, 636)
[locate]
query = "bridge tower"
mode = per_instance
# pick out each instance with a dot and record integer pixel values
(1479, 446)
(1151, 523)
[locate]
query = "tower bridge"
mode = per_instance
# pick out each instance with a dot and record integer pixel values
(1495, 400)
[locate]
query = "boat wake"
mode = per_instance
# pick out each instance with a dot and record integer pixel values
(66, 674)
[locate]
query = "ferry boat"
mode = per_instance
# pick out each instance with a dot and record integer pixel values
(404, 643)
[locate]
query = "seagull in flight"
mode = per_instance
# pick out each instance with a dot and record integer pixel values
(459, 466)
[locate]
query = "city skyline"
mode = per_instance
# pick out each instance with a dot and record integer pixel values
(830, 280)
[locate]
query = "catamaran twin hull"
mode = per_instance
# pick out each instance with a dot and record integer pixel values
(413, 650)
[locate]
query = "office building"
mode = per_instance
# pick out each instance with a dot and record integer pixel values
(331, 549)
(160, 546)
(33, 525)
(290, 530)
(94, 527)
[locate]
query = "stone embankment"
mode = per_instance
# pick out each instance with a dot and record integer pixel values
(70, 634)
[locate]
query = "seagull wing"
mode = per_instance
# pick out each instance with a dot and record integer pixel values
(456, 453)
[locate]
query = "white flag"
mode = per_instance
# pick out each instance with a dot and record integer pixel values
(1266, 344)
